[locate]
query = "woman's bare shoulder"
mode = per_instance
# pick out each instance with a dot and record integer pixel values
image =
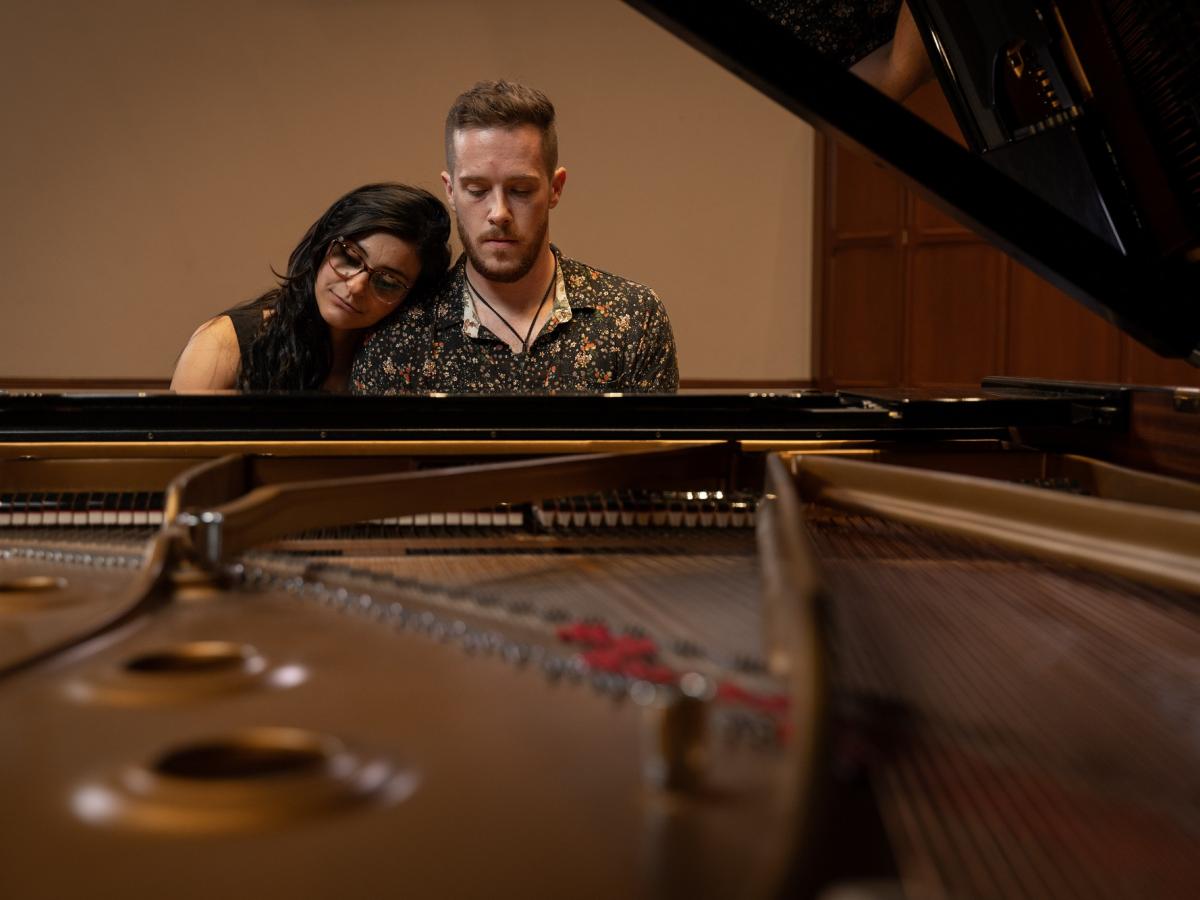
(211, 358)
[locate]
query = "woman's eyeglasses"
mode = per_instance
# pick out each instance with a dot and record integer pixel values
(347, 261)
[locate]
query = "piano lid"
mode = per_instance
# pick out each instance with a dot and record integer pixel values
(1084, 122)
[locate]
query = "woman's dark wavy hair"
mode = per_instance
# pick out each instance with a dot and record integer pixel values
(292, 350)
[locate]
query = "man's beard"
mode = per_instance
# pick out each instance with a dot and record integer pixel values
(512, 271)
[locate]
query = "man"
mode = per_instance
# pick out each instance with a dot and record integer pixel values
(514, 315)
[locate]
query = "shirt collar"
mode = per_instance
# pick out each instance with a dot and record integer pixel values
(561, 310)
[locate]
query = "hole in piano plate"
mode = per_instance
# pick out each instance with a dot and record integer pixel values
(249, 779)
(185, 672)
(195, 657)
(32, 584)
(36, 594)
(258, 753)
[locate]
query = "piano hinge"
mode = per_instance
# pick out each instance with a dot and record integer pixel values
(1100, 416)
(1187, 400)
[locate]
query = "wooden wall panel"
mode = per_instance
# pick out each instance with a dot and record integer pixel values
(1050, 335)
(955, 314)
(929, 221)
(1143, 366)
(866, 201)
(961, 309)
(863, 322)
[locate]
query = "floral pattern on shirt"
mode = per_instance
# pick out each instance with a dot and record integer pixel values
(604, 334)
(842, 30)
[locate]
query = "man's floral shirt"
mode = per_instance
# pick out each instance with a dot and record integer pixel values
(604, 334)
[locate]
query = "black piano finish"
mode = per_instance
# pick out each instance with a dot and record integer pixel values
(1156, 300)
(803, 415)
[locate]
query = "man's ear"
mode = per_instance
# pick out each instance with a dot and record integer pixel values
(557, 181)
(448, 184)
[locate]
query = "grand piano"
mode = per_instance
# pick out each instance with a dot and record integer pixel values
(877, 644)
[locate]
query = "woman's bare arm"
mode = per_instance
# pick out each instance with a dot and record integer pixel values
(210, 360)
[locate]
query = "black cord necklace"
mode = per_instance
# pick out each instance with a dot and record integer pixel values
(528, 334)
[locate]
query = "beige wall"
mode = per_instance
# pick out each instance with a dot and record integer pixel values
(158, 157)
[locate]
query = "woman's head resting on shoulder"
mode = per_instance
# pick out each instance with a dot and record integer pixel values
(376, 248)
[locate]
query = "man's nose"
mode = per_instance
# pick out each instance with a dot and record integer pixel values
(499, 214)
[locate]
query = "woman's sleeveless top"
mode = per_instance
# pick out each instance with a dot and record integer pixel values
(246, 323)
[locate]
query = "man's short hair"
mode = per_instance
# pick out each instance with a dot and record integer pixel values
(503, 104)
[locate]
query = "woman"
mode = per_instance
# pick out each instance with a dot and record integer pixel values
(377, 247)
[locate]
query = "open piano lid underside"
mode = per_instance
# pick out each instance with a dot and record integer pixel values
(1151, 294)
